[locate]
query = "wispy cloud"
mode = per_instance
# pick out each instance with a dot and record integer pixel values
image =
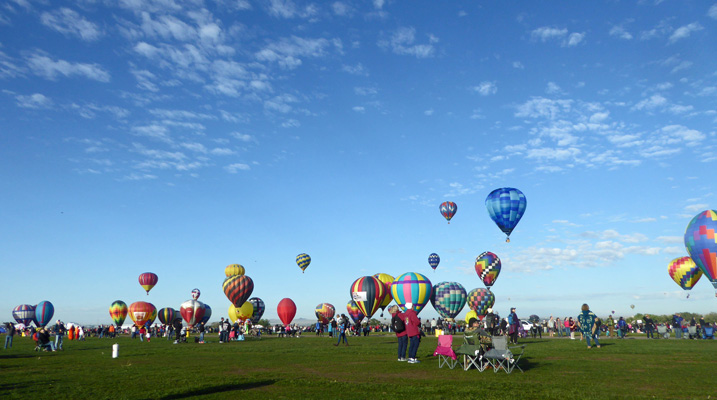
(486, 88)
(35, 101)
(44, 66)
(684, 32)
(547, 34)
(403, 42)
(70, 23)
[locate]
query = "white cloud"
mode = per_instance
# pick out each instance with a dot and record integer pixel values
(244, 137)
(287, 52)
(486, 88)
(45, 67)
(402, 43)
(359, 109)
(35, 101)
(651, 103)
(341, 9)
(518, 65)
(695, 208)
(620, 32)
(70, 23)
(552, 88)
(542, 107)
(712, 12)
(684, 32)
(546, 33)
(574, 39)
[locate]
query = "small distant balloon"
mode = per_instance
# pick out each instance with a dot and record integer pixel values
(303, 260)
(448, 210)
(118, 312)
(434, 260)
(147, 280)
(632, 306)
(196, 293)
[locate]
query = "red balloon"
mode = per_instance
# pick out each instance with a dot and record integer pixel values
(286, 310)
(148, 280)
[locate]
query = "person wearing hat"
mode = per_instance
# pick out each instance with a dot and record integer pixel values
(514, 326)
(413, 330)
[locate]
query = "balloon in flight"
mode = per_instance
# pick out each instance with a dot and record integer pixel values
(147, 280)
(303, 260)
(448, 210)
(506, 207)
(434, 260)
(488, 267)
(701, 243)
(118, 312)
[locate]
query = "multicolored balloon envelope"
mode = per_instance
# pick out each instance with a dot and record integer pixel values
(259, 308)
(196, 293)
(118, 312)
(147, 280)
(238, 288)
(387, 281)
(324, 312)
(242, 313)
(303, 260)
(480, 300)
(488, 268)
(684, 272)
(701, 243)
(368, 293)
(434, 260)
(448, 210)
(412, 287)
(24, 314)
(354, 312)
(506, 207)
(234, 269)
(448, 298)
(167, 315)
(192, 311)
(44, 311)
(142, 313)
(286, 310)
(207, 313)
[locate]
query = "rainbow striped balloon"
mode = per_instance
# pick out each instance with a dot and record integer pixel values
(412, 287)
(684, 272)
(480, 300)
(118, 312)
(488, 267)
(368, 293)
(238, 288)
(324, 312)
(354, 312)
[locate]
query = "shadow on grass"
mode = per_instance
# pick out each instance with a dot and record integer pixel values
(220, 389)
(8, 356)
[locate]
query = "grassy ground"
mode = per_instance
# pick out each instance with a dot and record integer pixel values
(311, 367)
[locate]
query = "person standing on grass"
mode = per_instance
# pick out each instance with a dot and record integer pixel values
(514, 326)
(398, 325)
(10, 333)
(559, 327)
(621, 328)
(342, 325)
(59, 334)
(649, 327)
(677, 325)
(586, 322)
(413, 330)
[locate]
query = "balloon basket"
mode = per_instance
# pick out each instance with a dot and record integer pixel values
(115, 350)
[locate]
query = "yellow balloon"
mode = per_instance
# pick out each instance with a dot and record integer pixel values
(234, 269)
(242, 313)
(471, 314)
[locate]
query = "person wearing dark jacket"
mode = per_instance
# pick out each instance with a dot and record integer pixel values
(43, 340)
(10, 334)
(177, 323)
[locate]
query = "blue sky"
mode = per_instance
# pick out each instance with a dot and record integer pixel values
(178, 137)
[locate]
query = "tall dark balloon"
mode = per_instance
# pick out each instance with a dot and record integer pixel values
(259, 308)
(44, 311)
(434, 260)
(238, 288)
(167, 315)
(368, 293)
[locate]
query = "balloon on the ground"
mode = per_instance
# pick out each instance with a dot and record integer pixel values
(192, 311)
(207, 313)
(238, 288)
(412, 287)
(196, 293)
(303, 260)
(684, 272)
(480, 300)
(448, 298)
(701, 243)
(142, 313)
(324, 312)
(506, 207)
(355, 312)
(434, 260)
(488, 267)
(241, 313)
(44, 311)
(387, 281)
(166, 315)
(24, 314)
(147, 280)
(368, 293)
(286, 310)
(448, 210)
(118, 312)
(259, 307)
(234, 269)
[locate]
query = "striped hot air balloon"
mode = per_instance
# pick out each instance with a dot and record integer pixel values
(234, 269)
(142, 313)
(24, 314)
(488, 267)
(44, 311)
(387, 281)
(412, 287)
(368, 293)
(303, 260)
(118, 312)
(259, 308)
(354, 312)
(166, 315)
(238, 288)
(147, 280)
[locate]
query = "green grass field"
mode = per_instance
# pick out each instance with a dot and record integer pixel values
(312, 368)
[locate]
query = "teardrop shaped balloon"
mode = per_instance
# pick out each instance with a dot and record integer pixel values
(147, 280)
(207, 313)
(238, 288)
(196, 293)
(44, 311)
(286, 310)
(448, 210)
(166, 315)
(142, 313)
(118, 312)
(448, 298)
(234, 269)
(24, 314)
(701, 243)
(414, 288)
(192, 312)
(259, 308)
(434, 260)
(488, 268)
(242, 313)
(355, 312)
(303, 260)
(684, 272)
(324, 312)
(506, 207)
(387, 280)
(368, 293)
(480, 300)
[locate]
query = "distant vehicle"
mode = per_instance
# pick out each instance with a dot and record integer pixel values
(526, 325)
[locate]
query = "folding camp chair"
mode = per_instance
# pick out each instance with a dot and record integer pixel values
(708, 332)
(502, 357)
(445, 353)
(692, 330)
(662, 331)
(472, 353)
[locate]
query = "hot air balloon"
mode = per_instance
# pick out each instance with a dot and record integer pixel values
(448, 210)
(506, 207)
(196, 293)
(324, 312)
(142, 313)
(387, 281)
(632, 306)
(167, 315)
(368, 293)
(147, 280)
(303, 260)
(192, 311)
(355, 312)
(684, 272)
(259, 307)
(480, 300)
(286, 311)
(701, 243)
(44, 311)
(412, 287)
(448, 298)
(238, 288)
(241, 313)
(24, 314)
(207, 313)
(233, 269)
(433, 260)
(118, 312)
(488, 267)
